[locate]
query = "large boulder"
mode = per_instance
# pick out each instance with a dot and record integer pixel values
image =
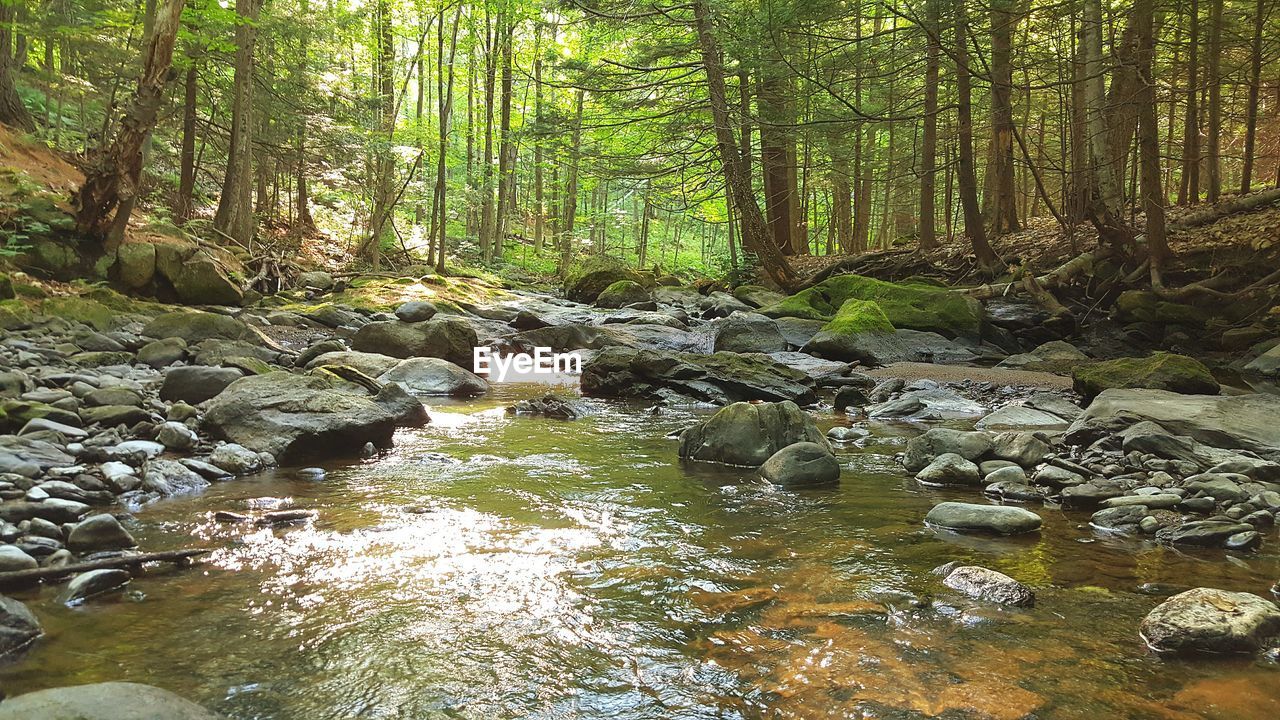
(99, 532)
(621, 294)
(1159, 371)
(18, 628)
(292, 416)
(1053, 356)
(968, 517)
(908, 305)
(202, 280)
(433, 376)
(1267, 364)
(450, 338)
(802, 464)
(195, 326)
(949, 469)
(748, 434)
(589, 277)
(371, 364)
(757, 296)
(1246, 422)
(103, 701)
(720, 378)
(744, 332)
(1211, 620)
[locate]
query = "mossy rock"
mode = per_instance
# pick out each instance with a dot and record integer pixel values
(757, 296)
(589, 277)
(195, 326)
(136, 264)
(101, 358)
(14, 315)
(1142, 306)
(1159, 371)
(906, 305)
(859, 316)
(16, 413)
(6, 287)
(81, 310)
(621, 294)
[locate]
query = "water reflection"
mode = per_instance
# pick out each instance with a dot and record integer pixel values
(499, 567)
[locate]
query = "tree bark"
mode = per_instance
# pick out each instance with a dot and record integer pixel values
(1189, 183)
(988, 261)
(1001, 200)
(755, 237)
(929, 139)
(12, 111)
(183, 208)
(1255, 87)
(234, 217)
(112, 176)
(1213, 151)
(1153, 199)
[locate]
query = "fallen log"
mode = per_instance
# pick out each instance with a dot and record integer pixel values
(1217, 212)
(1063, 274)
(178, 557)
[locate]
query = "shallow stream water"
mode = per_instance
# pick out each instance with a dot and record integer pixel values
(500, 567)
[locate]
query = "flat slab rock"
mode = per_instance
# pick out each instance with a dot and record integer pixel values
(1246, 422)
(103, 701)
(1211, 620)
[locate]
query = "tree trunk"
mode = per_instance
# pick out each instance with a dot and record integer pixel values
(539, 208)
(777, 148)
(569, 214)
(506, 179)
(1189, 183)
(12, 111)
(112, 176)
(444, 96)
(183, 208)
(1213, 152)
(1153, 199)
(234, 217)
(756, 236)
(381, 220)
(1106, 196)
(929, 139)
(988, 262)
(1001, 201)
(1255, 87)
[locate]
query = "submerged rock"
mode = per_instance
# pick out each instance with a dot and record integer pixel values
(93, 583)
(291, 416)
(552, 406)
(434, 376)
(103, 701)
(18, 628)
(748, 435)
(984, 584)
(1211, 620)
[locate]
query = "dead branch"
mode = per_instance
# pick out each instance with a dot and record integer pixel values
(178, 557)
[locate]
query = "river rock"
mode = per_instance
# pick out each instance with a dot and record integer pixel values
(99, 532)
(196, 384)
(719, 378)
(162, 353)
(551, 406)
(588, 277)
(176, 436)
(984, 584)
(1267, 364)
(18, 628)
(1053, 355)
(416, 311)
(802, 464)
(746, 332)
(103, 701)
(1160, 371)
(850, 396)
(194, 326)
(371, 364)
(1124, 519)
(434, 376)
(622, 293)
(949, 469)
(55, 510)
(93, 583)
(290, 416)
(11, 559)
(1024, 448)
(1021, 417)
(922, 449)
(927, 403)
(1203, 533)
(449, 338)
(1211, 620)
(748, 434)
(968, 517)
(169, 477)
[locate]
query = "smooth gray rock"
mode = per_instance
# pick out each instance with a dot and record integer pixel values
(1211, 620)
(1021, 417)
(802, 464)
(1203, 533)
(748, 434)
(176, 436)
(949, 469)
(195, 384)
(99, 532)
(968, 517)
(747, 332)
(1023, 448)
(169, 477)
(1226, 421)
(93, 583)
(103, 701)
(18, 628)
(922, 449)
(434, 376)
(12, 558)
(416, 311)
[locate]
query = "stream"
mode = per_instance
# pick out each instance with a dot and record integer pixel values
(493, 566)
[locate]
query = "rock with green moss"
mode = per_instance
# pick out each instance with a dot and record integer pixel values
(621, 294)
(6, 287)
(204, 281)
(861, 332)
(909, 306)
(1159, 371)
(136, 264)
(194, 326)
(16, 413)
(748, 434)
(1143, 306)
(14, 315)
(80, 310)
(589, 277)
(449, 338)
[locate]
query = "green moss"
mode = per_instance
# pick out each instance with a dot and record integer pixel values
(859, 316)
(588, 277)
(1145, 307)
(14, 315)
(910, 306)
(77, 309)
(622, 293)
(1159, 371)
(6, 287)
